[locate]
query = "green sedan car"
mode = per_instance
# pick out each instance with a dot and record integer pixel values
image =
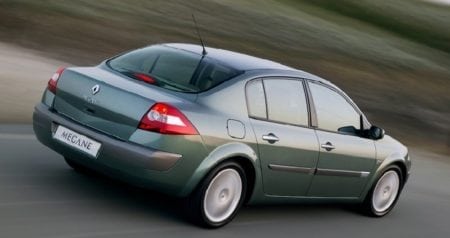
(220, 129)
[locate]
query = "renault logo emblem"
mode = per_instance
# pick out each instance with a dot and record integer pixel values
(95, 89)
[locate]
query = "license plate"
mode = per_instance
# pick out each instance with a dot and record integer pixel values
(77, 141)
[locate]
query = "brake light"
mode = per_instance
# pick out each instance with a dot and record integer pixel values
(166, 119)
(54, 80)
(145, 78)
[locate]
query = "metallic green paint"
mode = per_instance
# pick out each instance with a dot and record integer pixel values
(234, 151)
(130, 162)
(48, 98)
(351, 153)
(297, 146)
(389, 151)
(115, 111)
(109, 110)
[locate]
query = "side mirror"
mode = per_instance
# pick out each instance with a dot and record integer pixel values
(376, 132)
(350, 130)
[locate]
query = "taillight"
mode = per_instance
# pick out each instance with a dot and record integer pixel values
(145, 78)
(54, 80)
(166, 119)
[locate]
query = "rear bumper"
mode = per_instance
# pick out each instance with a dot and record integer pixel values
(124, 160)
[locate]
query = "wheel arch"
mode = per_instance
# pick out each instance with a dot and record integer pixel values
(240, 153)
(383, 165)
(250, 172)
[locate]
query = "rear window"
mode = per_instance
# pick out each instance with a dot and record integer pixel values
(172, 68)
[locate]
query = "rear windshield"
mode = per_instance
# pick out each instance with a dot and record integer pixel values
(172, 68)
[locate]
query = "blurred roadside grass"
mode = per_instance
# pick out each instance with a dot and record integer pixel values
(416, 20)
(392, 57)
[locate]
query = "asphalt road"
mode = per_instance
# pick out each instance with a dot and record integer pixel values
(40, 196)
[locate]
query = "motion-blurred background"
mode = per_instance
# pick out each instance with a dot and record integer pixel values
(391, 57)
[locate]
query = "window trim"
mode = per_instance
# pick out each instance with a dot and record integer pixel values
(265, 98)
(308, 104)
(312, 107)
(349, 101)
(247, 100)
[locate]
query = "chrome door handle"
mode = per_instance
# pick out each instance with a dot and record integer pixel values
(328, 146)
(271, 138)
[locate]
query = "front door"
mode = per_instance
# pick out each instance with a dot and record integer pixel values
(288, 147)
(346, 160)
(345, 164)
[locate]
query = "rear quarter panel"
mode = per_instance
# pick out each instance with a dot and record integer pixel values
(210, 117)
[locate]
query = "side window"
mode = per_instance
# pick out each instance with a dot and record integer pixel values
(256, 101)
(332, 109)
(286, 101)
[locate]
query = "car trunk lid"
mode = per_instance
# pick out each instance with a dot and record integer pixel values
(105, 101)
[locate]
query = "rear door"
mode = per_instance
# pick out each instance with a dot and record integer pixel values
(288, 147)
(346, 160)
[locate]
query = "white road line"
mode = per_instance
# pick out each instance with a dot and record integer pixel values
(11, 136)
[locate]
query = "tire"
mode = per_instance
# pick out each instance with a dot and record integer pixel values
(384, 193)
(217, 199)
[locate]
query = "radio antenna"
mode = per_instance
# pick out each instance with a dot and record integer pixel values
(199, 36)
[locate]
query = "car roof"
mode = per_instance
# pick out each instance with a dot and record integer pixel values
(236, 60)
(246, 62)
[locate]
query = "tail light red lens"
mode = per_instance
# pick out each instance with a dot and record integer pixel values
(54, 80)
(145, 78)
(166, 119)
